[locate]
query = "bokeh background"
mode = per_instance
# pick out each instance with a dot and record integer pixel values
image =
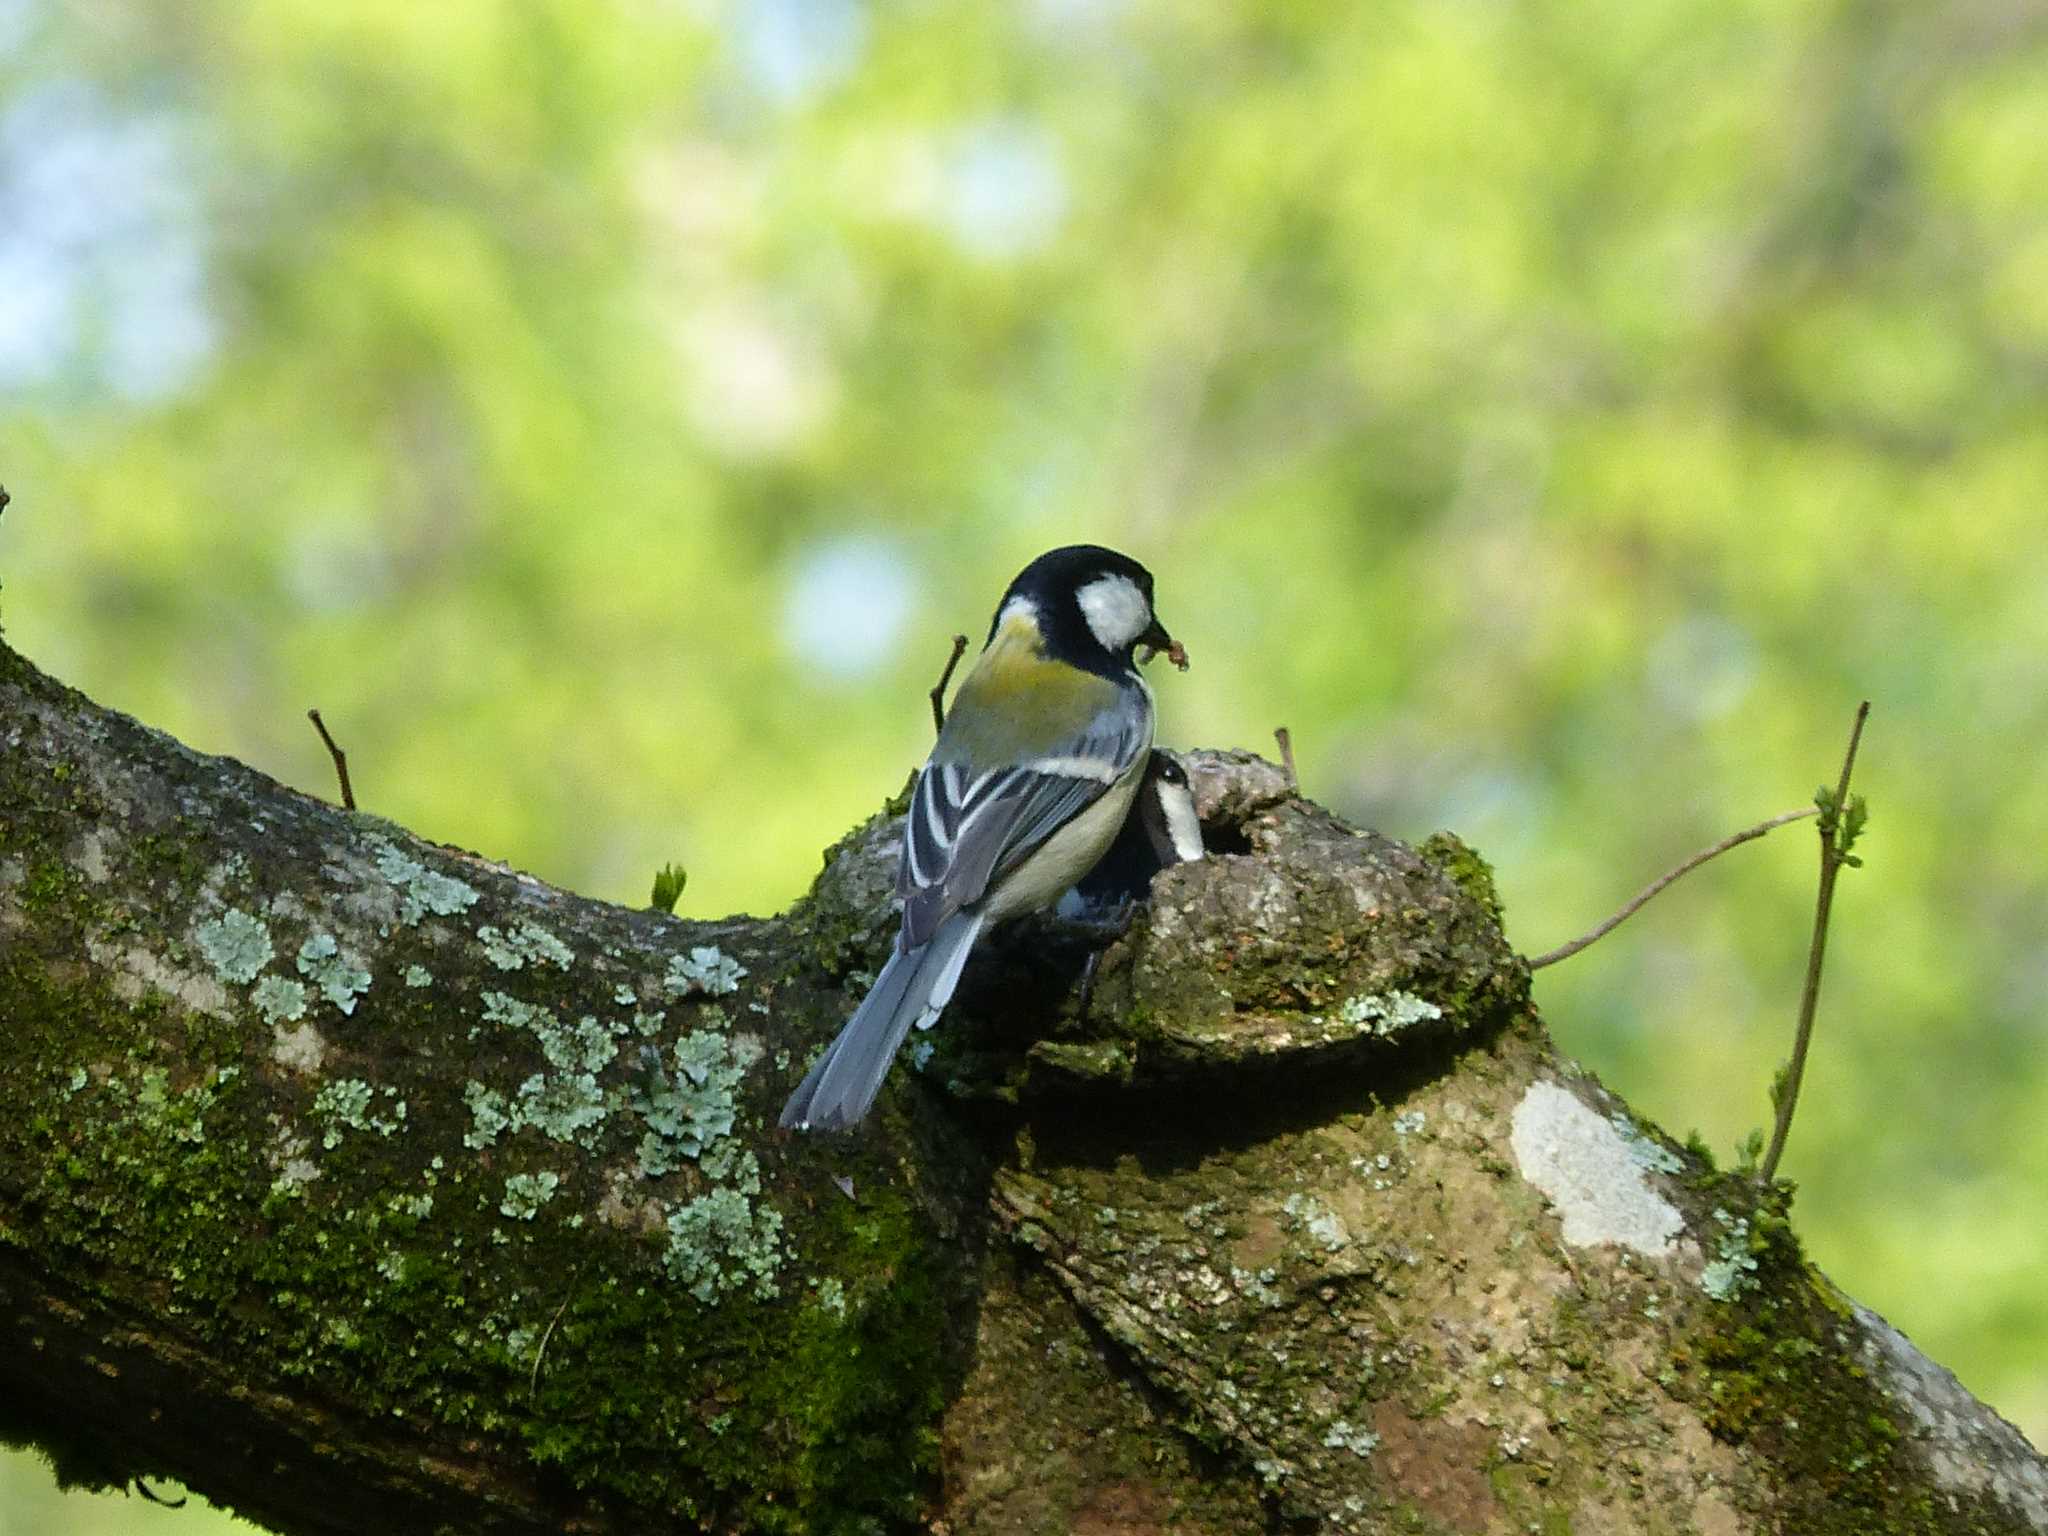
(1558, 415)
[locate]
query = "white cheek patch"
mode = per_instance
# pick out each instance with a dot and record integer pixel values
(1115, 609)
(1182, 824)
(1018, 610)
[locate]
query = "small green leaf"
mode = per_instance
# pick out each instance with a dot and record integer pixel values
(1750, 1151)
(669, 881)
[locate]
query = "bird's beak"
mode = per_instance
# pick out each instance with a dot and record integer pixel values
(1155, 639)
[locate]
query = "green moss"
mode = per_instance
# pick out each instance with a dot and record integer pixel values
(361, 1244)
(1773, 1370)
(382, 1270)
(1466, 869)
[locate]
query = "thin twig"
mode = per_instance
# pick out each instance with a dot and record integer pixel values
(540, 1350)
(945, 677)
(1566, 951)
(1839, 824)
(142, 1487)
(1287, 759)
(348, 796)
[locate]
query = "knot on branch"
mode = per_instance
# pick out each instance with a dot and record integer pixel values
(1300, 940)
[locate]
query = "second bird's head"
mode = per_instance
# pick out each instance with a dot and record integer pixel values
(1091, 606)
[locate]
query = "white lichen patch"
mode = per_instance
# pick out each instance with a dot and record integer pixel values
(235, 944)
(92, 858)
(1586, 1170)
(1323, 1226)
(135, 973)
(338, 979)
(1969, 1449)
(1387, 1013)
(418, 976)
(298, 1050)
(421, 890)
(1646, 1150)
(706, 969)
(280, 1000)
(1344, 1435)
(527, 944)
(289, 1155)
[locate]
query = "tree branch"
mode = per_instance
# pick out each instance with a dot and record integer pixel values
(313, 1137)
(938, 694)
(348, 795)
(1642, 897)
(1841, 820)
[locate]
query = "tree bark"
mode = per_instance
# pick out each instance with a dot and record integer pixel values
(364, 1184)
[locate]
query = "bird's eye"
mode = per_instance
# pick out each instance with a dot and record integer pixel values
(1171, 772)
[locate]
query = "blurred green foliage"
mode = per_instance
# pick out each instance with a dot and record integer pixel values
(1557, 415)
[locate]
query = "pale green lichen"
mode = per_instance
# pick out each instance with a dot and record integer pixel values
(568, 1106)
(720, 1243)
(345, 1105)
(1318, 1220)
(1643, 1150)
(1387, 1013)
(1732, 1270)
(693, 1109)
(178, 1116)
(420, 889)
(527, 944)
(564, 1104)
(279, 999)
(1410, 1122)
(418, 976)
(526, 1193)
(624, 995)
(490, 1116)
(236, 944)
(832, 1296)
(321, 962)
(706, 969)
(1344, 1435)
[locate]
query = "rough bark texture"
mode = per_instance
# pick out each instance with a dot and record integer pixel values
(368, 1185)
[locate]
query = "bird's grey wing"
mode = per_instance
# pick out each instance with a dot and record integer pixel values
(968, 828)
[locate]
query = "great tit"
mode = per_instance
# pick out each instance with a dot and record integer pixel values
(1161, 829)
(1032, 775)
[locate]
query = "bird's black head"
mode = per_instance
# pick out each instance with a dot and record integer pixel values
(1092, 605)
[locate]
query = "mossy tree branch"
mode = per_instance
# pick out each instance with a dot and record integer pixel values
(364, 1184)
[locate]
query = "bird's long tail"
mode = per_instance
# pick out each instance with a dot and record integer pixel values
(912, 988)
